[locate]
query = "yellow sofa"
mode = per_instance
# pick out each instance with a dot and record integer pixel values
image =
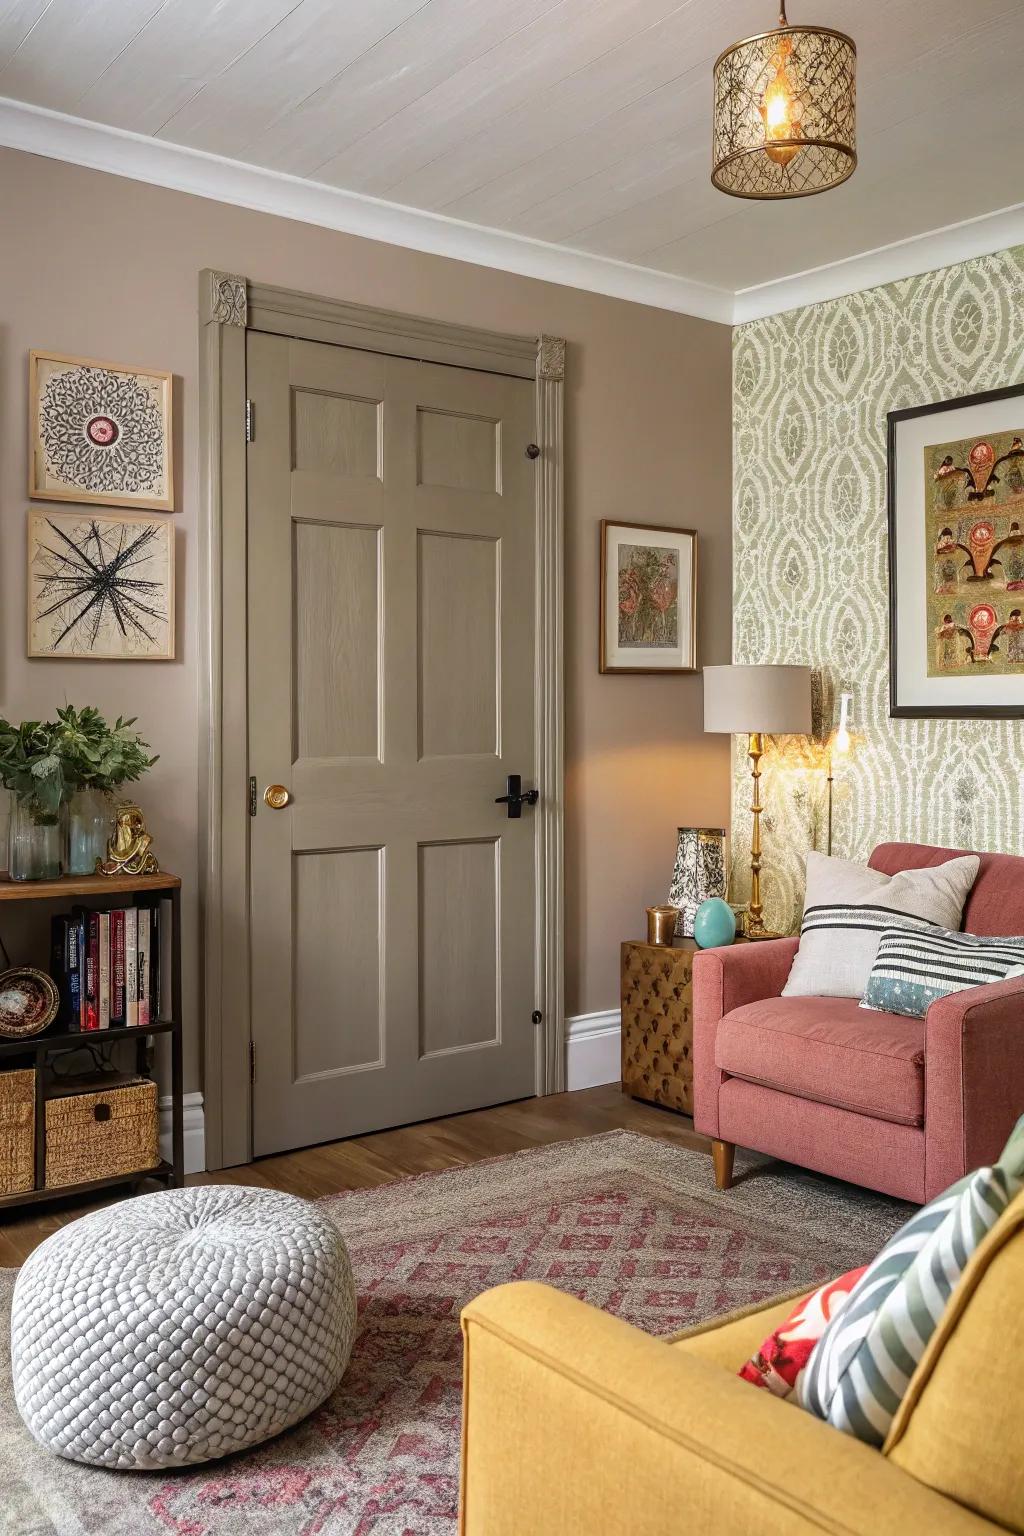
(576, 1424)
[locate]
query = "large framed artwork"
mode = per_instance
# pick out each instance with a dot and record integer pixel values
(100, 586)
(99, 432)
(956, 557)
(647, 619)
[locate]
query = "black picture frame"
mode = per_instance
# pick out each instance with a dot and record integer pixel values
(898, 711)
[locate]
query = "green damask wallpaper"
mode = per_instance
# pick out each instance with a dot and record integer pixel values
(811, 389)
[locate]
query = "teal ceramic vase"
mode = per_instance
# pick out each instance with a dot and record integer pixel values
(714, 923)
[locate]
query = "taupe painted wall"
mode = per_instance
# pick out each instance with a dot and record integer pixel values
(95, 265)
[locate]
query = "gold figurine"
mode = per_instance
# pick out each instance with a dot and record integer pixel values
(128, 851)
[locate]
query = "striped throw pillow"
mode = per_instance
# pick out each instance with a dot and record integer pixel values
(846, 907)
(861, 1367)
(916, 964)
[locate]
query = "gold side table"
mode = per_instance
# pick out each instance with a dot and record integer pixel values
(657, 1022)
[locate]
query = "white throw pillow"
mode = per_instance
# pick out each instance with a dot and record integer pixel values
(847, 907)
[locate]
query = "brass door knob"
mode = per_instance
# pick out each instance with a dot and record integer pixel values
(276, 796)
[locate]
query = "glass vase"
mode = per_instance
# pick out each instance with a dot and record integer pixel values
(90, 815)
(34, 842)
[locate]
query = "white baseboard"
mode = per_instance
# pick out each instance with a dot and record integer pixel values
(592, 1049)
(195, 1133)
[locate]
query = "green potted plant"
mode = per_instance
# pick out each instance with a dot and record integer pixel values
(31, 768)
(96, 759)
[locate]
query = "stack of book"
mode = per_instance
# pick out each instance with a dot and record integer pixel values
(107, 968)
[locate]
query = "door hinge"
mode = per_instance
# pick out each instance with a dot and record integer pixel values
(252, 1061)
(250, 421)
(253, 797)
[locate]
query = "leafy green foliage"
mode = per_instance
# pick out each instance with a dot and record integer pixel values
(45, 762)
(31, 766)
(95, 755)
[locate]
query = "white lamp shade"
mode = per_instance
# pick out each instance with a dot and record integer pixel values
(774, 700)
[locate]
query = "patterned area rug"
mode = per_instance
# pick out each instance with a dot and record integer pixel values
(630, 1223)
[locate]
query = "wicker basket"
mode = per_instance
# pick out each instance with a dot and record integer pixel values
(104, 1132)
(17, 1131)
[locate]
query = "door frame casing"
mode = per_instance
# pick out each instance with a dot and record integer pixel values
(229, 306)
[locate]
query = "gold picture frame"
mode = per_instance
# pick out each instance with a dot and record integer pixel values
(100, 433)
(647, 612)
(100, 586)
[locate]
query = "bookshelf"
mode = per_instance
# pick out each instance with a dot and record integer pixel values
(101, 893)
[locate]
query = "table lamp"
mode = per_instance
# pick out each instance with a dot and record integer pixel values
(757, 701)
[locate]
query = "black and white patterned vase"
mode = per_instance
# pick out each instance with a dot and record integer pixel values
(699, 872)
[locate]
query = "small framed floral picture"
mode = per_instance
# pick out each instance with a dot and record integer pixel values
(648, 607)
(99, 432)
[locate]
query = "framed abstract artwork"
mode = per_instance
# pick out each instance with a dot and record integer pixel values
(99, 432)
(648, 607)
(956, 557)
(100, 586)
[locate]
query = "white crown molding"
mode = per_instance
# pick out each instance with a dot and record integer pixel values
(982, 236)
(158, 163)
(593, 1049)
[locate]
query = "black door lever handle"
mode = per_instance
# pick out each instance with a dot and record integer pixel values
(515, 796)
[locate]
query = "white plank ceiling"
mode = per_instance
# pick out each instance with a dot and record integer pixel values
(583, 123)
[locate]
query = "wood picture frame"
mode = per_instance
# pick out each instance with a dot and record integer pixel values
(83, 414)
(955, 519)
(647, 607)
(77, 608)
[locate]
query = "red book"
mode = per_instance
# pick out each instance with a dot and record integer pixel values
(118, 1018)
(92, 974)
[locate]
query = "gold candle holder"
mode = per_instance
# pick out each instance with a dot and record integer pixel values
(661, 925)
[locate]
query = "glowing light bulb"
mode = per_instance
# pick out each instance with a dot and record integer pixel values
(781, 109)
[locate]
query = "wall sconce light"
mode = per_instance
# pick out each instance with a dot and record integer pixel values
(838, 746)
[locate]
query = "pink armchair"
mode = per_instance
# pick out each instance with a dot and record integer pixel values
(905, 1106)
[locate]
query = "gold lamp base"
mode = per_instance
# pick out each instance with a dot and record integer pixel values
(759, 932)
(753, 925)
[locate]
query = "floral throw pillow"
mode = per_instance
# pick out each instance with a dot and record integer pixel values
(780, 1361)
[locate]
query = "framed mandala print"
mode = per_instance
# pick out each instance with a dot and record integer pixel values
(100, 586)
(99, 432)
(956, 558)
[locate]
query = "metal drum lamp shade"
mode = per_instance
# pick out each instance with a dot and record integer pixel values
(785, 113)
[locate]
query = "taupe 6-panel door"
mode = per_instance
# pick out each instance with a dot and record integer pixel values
(391, 690)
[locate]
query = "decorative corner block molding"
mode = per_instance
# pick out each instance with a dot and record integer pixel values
(228, 301)
(551, 359)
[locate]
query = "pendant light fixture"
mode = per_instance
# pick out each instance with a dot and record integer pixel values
(785, 113)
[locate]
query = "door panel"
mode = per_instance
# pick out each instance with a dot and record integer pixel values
(460, 452)
(336, 1021)
(336, 689)
(391, 630)
(337, 434)
(460, 683)
(460, 1001)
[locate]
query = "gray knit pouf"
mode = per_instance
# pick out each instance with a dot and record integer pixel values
(181, 1326)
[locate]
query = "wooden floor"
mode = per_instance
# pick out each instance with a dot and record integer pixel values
(368, 1160)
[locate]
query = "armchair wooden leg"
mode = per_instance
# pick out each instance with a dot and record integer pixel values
(723, 1153)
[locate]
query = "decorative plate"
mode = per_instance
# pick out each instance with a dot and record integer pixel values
(28, 1002)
